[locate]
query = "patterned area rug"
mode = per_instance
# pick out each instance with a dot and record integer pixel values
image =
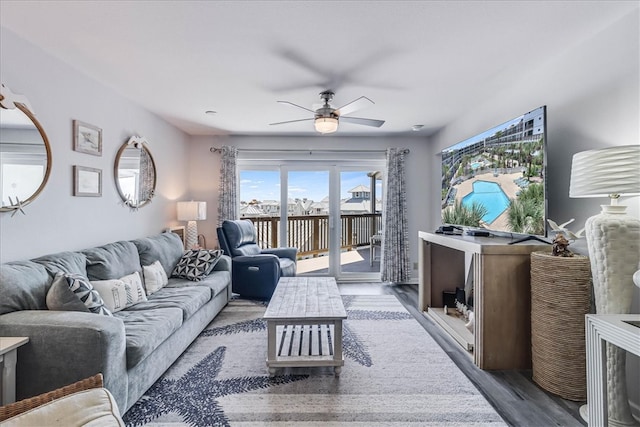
(394, 375)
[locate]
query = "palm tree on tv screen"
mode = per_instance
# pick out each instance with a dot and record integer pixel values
(526, 213)
(460, 214)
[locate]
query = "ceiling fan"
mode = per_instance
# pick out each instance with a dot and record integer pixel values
(326, 117)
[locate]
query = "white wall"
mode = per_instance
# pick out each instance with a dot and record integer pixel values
(592, 94)
(56, 220)
(205, 171)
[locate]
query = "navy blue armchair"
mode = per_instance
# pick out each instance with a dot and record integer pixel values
(254, 271)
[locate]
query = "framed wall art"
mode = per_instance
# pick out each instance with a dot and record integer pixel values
(179, 230)
(87, 182)
(87, 138)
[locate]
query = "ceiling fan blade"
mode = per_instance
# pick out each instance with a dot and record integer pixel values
(296, 105)
(361, 121)
(354, 105)
(328, 78)
(291, 121)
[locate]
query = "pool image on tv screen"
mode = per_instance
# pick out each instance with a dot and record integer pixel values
(496, 179)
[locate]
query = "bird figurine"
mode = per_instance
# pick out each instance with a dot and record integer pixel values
(562, 228)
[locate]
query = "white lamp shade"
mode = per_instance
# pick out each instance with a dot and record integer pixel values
(326, 124)
(606, 171)
(192, 211)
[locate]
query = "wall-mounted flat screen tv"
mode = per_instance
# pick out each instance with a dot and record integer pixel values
(496, 180)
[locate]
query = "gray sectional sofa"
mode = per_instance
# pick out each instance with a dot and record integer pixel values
(131, 348)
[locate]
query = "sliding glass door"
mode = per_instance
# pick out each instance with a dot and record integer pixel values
(329, 210)
(360, 213)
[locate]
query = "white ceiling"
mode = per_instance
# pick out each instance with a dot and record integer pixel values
(420, 62)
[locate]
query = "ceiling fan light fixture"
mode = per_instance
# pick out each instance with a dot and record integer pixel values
(326, 124)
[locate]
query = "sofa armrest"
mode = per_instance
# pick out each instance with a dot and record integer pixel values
(67, 346)
(290, 253)
(223, 264)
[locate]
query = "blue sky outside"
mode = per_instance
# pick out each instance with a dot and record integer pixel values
(314, 185)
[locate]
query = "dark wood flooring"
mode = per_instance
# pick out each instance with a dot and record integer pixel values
(513, 394)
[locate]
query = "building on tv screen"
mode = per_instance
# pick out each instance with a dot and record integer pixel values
(495, 180)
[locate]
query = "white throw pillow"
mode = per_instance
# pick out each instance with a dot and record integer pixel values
(154, 277)
(134, 288)
(113, 293)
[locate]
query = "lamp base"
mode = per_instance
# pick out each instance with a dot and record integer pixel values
(613, 239)
(192, 235)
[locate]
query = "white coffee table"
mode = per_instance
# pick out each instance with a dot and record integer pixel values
(304, 324)
(8, 359)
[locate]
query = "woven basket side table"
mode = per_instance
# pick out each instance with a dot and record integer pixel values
(560, 299)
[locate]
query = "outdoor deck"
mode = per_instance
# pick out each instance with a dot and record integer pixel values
(354, 261)
(310, 234)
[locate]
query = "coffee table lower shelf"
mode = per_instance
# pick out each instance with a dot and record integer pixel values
(303, 345)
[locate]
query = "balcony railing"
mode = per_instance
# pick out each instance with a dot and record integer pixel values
(310, 233)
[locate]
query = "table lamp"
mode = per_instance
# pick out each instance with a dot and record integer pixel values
(613, 240)
(192, 212)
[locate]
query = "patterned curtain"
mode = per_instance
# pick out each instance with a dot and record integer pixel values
(228, 194)
(396, 265)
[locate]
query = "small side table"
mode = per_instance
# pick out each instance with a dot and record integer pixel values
(621, 330)
(8, 358)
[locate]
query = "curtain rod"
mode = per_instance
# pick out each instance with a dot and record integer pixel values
(310, 151)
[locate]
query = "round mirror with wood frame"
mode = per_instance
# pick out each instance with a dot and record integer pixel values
(135, 173)
(25, 156)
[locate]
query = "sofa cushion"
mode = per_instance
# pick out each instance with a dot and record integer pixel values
(112, 261)
(146, 329)
(65, 262)
(165, 247)
(196, 264)
(113, 293)
(187, 299)
(154, 277)
(217, 281)
(66, 287)
(23, 286)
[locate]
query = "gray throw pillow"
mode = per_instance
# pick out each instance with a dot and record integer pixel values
(196, 264)
(74, 292)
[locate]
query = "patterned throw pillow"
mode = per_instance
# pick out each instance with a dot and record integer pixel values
(133, 287)
(154, 277)
(113, 293)
(196, 264)
(58, 297)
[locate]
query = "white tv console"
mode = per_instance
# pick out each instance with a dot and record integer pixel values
(502, 294)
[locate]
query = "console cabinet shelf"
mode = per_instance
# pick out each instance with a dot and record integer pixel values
(501, 293)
